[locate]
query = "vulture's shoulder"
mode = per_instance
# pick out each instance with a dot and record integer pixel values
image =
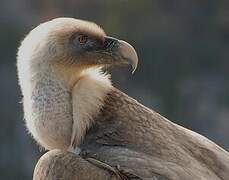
(145, 144)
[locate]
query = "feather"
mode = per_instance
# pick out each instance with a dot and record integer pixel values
(145, 144)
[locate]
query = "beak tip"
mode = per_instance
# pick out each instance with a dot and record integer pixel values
(133, 71)
(129, 54)
(134, 62)
(134, 67)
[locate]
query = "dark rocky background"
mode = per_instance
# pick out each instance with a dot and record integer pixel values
(183, 48)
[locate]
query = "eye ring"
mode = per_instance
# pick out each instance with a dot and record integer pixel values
(82, 39)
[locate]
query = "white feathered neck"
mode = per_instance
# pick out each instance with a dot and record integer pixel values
(88, 97)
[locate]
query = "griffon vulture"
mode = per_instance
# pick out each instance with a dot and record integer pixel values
(69, 103)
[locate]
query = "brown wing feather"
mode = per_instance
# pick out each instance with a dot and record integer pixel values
(151, 143)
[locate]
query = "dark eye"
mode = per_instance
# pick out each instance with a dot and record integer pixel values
(82, 39)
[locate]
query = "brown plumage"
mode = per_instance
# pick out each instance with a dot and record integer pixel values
(69, 103)
(143, 143)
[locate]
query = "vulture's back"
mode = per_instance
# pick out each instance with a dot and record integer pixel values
(144, 144)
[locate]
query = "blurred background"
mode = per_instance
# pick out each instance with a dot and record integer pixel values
(183, 73)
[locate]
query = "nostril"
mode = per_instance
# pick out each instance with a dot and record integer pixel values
(109, 42)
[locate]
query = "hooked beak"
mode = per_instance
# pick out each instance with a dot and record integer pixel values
(121, 51)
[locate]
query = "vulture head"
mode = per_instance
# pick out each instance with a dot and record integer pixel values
(70, 46)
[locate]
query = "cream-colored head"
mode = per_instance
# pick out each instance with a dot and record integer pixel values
(69, 46)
